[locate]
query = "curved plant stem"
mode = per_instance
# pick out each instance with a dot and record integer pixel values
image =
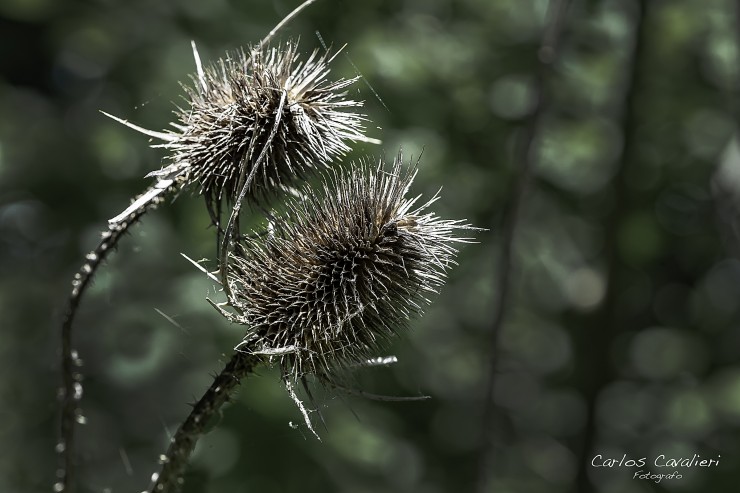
(232, 226)
(169, 479)
(71, 390)
(526, 155)
(282, 23)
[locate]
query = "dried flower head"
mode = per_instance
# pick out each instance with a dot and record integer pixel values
(261, 118)
(340, 271)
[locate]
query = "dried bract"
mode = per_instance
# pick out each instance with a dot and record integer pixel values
(340, 271)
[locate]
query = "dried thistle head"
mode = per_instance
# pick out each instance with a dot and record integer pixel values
(261, 117)
(340, 271)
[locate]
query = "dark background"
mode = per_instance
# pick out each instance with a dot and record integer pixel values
(622, 328)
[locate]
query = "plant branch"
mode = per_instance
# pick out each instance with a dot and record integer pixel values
(232, 226)
(169, 479)
(283, 22)
(526, 156)
(71, 390)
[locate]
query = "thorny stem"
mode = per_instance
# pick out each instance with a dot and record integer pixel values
(174, 462)
(71, 390)
(231, 226)
(526, 156)
(232, 229)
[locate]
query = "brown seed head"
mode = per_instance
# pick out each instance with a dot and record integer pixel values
(261, 113)
(341, 271)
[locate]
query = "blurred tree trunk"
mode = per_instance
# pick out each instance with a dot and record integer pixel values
(596, 332)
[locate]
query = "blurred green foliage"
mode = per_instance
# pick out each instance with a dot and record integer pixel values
(623, 331)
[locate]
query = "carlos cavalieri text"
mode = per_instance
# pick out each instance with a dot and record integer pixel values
(660, 461)
(669, 467)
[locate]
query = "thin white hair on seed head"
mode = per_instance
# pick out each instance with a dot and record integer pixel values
(342, 271)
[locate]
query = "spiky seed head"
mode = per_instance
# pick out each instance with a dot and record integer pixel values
(341, 270)
(261, 112)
